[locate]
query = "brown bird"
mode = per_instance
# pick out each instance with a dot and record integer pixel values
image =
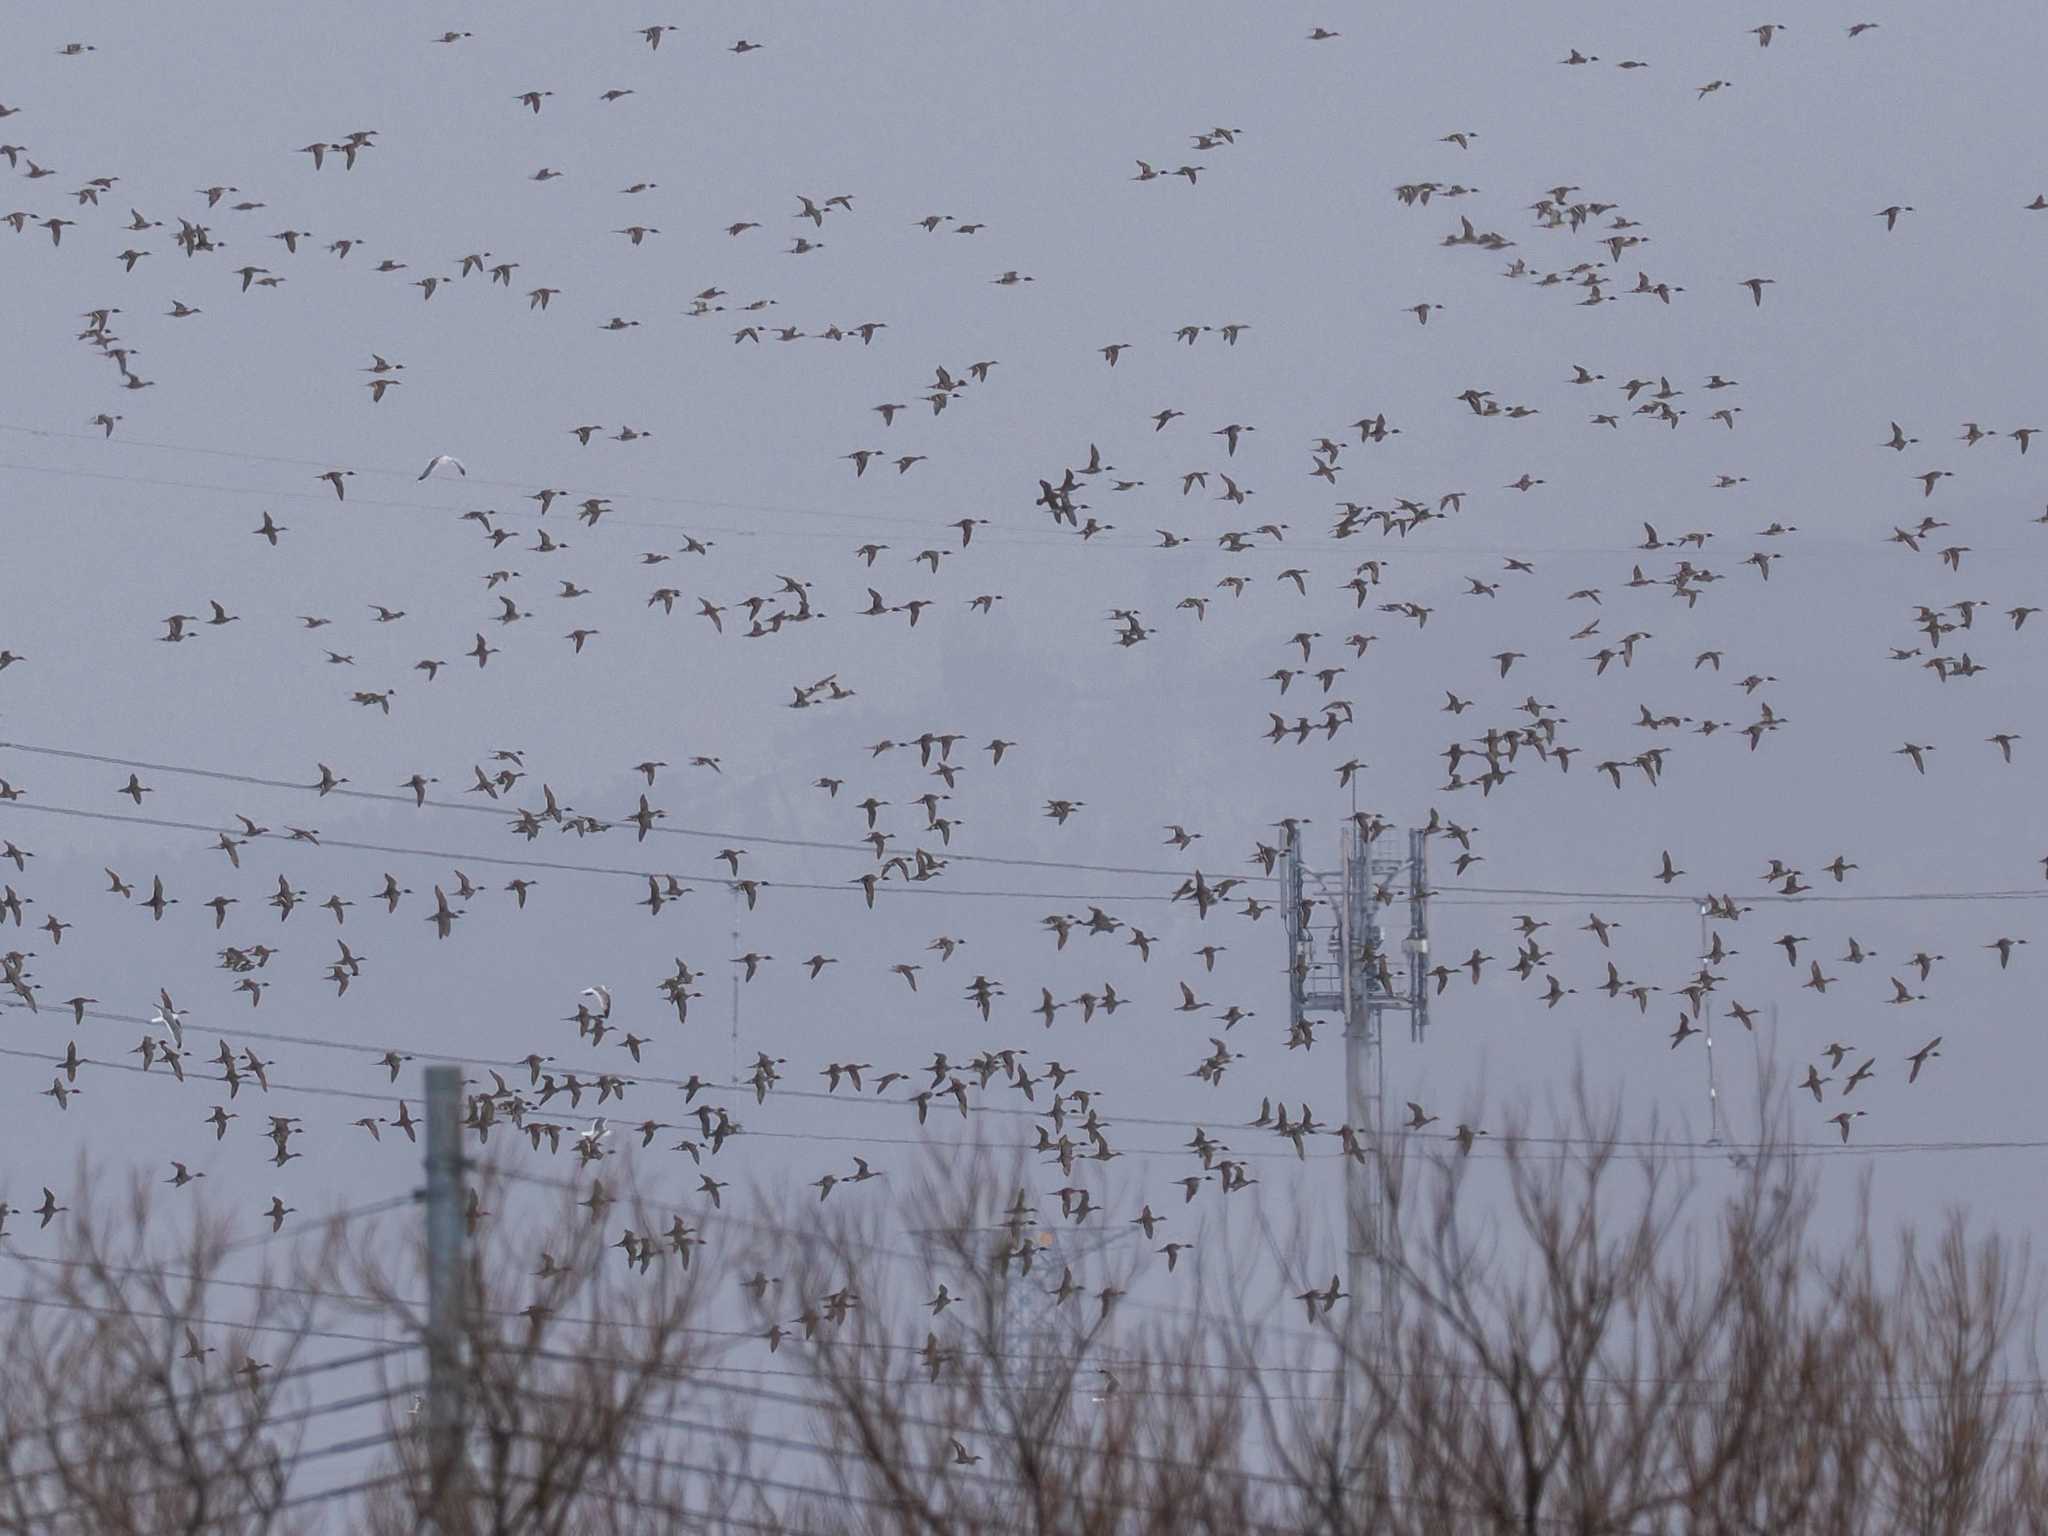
(1920, 1058)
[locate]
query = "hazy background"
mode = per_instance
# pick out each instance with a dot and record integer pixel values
(1029, 120)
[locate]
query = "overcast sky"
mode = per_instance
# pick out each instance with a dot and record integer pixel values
(1030, 122)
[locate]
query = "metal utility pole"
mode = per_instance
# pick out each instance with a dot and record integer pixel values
(447, 1284)
(735, 986)
(1034, 1336)
(1342, 961)
(1033, 1318)
(1716, 1123)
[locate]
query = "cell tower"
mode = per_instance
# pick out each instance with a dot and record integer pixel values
(1034, 1331)
(1345, 958)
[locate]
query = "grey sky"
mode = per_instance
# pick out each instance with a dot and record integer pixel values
(1030, 120)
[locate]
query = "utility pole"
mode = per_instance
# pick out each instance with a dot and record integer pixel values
(1033, 1336)
(1365, 1090)
(1715, 1121)
(1341, 961)
(1034, 1324)
(735, 986)
(447, 1289)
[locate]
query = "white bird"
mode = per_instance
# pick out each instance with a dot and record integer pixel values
(443, 458)
(599, 1129)
(168, 1017)
(603, 994)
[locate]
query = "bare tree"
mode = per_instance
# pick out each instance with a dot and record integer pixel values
(144, 1390)
(1605, 1347)
(1577, 1334)
(966, 1383)
(575, 1342)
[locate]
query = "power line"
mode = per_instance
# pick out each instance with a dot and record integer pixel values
(1768, 896)
(1454, 893)
(362, 1096)
(847, 888)
(729, 1335)
(318, 1090)
(188, 1320)
(2019, 1388)
(1572, 1147)
(846, 1495)
(854, 523)
(636, 1079)
(289, 1373)
(798, 1400)
(338, 1219)
(676, 1510)
(1114, 1358)
(295, 1416)
(328, 1495)
(1142, 1458)
(343, 1448)
(682, 1373)
(850, 519)
(660, 829)
(418, 1304)
(1118, 1359)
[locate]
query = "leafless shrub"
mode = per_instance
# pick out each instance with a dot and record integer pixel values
(1577, 1333)
(565, 1366)
(971, 1385)
(1616, 1343)
(142, 1391)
